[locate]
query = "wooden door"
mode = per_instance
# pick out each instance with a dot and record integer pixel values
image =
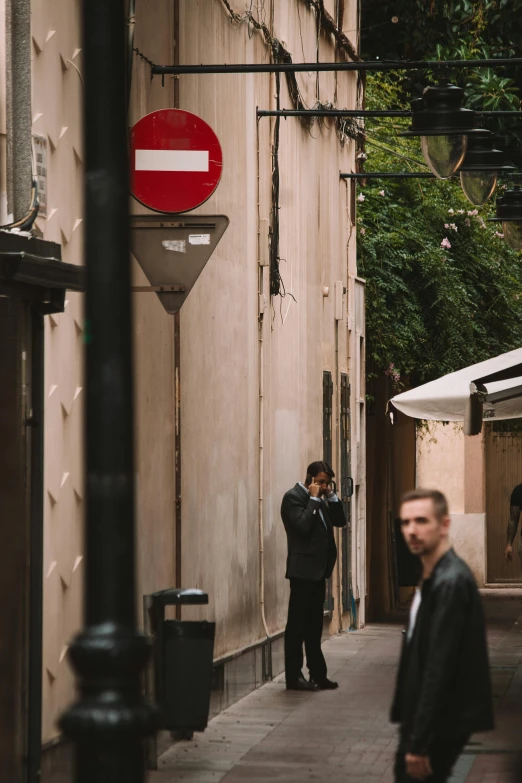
(503, 473)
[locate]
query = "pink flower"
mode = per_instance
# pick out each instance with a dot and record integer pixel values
(446, 225)
(498, 234)
(473, 212)
(445, 243)
(393, 373)
(363, 231)
(361, 197)
(381, 193)
(460, 211)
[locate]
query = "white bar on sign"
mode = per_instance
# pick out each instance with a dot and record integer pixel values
(171, 160)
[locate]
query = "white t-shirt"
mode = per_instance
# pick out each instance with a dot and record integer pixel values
(413, 612)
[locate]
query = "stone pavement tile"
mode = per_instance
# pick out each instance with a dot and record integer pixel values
(492, 768)
(344, 736)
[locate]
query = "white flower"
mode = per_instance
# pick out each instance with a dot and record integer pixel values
(381, 193)
(451, 211)
(361, 197)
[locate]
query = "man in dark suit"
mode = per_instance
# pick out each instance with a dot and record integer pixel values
(309, 512)
(443, 691)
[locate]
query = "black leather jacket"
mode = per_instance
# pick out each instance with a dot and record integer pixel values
(443, 683)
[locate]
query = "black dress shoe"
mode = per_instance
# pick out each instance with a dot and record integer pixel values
(301, 685)
(325, 685)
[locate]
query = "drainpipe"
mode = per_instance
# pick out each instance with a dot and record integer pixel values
(22, 204)
(18, 100)
(261, 478)
(177, 372)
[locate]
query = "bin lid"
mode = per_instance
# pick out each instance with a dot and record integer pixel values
(179, 595)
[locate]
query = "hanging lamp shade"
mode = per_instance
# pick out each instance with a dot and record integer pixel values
(443, 126)
(481, 167)
(509, 213)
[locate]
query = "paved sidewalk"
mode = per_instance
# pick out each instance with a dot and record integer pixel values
(340, 736)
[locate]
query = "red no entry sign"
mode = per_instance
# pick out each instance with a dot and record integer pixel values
(176, 161)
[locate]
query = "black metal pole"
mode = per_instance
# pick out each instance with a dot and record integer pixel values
(389, 175)
(368, 65)
(110, 719)
(408, 175)
(363, 113)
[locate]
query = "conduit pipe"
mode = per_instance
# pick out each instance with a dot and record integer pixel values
(261, 483)
(18, 105)
(261, 509)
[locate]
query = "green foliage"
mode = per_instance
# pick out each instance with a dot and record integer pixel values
(456, 30)
(431, 309)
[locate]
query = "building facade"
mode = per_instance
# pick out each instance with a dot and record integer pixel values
(262, 370)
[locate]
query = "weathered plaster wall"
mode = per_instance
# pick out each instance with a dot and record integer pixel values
(220, 346)
(220, 397)
(57, 94)
(450, 461)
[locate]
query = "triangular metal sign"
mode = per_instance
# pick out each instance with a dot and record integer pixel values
(172, 251)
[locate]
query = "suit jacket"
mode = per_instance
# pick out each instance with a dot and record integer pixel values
(443, 684)
(311, 546)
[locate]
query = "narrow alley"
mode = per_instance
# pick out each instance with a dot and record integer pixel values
(344, 735)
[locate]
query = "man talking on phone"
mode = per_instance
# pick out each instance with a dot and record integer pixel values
(309, 511)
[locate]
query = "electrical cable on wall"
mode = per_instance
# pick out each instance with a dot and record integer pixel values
(276, 284)
(346, 128)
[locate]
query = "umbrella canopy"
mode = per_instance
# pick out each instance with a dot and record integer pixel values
(446, 398)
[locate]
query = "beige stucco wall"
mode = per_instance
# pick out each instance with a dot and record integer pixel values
(221, 429)
(450, 461)
(57, 95)
(223, 389)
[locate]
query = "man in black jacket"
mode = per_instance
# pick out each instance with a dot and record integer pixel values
(309, 511)
(443, 691)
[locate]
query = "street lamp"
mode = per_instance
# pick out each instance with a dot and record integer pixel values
(509, 212)
(443, 127)
(481, 166)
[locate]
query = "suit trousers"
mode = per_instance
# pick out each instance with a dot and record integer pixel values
(443, 755)
(305, 625)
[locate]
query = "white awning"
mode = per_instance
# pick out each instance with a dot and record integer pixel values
(446, 398)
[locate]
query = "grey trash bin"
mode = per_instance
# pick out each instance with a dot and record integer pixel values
(183, 659)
